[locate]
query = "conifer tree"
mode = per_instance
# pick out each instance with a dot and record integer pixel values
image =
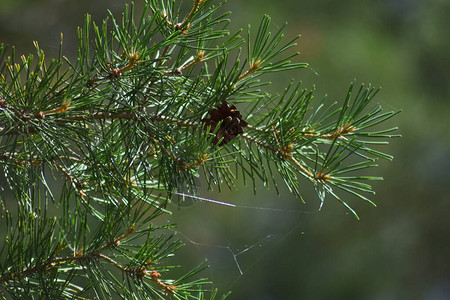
(94, 148)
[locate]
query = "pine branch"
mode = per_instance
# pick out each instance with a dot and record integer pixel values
(50, 263)
(148, 104)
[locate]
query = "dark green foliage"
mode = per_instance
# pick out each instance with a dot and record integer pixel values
(94, 148)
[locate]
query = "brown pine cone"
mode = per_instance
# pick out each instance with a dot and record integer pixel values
(232, 123)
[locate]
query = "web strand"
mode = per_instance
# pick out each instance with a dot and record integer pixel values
(281, 210)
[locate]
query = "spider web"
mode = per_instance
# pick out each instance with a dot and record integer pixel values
(236, 237)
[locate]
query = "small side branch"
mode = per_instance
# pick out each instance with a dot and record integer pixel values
(254, 66)
(20, 114)
(284, 154)
(35, 161)
(183, 165)
(104, 116)
(338, 133)
(127, 116)
(184, 26)
(166, 288)
(78, 185)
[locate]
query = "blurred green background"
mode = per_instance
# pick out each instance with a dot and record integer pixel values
(399, 250)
